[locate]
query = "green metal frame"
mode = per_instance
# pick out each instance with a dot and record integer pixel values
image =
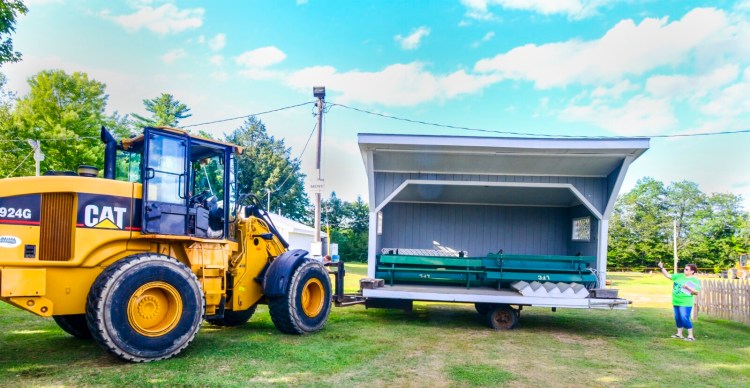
(493, 270)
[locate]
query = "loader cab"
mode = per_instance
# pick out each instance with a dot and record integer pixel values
(188, 182)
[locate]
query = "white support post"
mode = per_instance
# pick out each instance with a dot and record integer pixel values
(372, 244)
(601, 264)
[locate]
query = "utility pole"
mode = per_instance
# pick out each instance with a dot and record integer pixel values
(320, 93)
(268, 204)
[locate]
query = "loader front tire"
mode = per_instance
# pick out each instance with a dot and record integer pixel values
(233, 318)
(145, 307)
(74, 325)
(305, 306)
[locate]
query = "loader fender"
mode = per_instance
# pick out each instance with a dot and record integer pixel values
(280, 272)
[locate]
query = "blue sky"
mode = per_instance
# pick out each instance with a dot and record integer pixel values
(568, 67)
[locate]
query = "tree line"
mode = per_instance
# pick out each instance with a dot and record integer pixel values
(712, 229)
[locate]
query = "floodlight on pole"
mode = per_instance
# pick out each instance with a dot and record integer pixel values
(38, 154)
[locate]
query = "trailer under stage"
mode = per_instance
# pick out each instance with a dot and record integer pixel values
(487, 295)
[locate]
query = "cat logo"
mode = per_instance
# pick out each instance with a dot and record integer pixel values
(104, 217)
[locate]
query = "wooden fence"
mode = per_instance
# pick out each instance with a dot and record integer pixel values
(725, 299)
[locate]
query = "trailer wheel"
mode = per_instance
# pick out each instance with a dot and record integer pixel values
(482, 308)
(502, 317)
(145, 307)
(74, 325)
(307, 303)
(233, 318)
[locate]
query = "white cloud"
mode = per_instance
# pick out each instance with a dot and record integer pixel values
(615, 91)
(217, 42)
(732, 101)
(413, 40)
(575, 9)
(486, 38)
(626, 49)
(173, 55)
(681, 86)
(396, 85)
(260, 57)
(217, 60)
(641, 115)
(162, 20)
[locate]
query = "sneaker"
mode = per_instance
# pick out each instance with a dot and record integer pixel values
(677, 336)
(689, 339)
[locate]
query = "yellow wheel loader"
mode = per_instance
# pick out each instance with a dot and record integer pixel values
(741, 269)
(137, 259)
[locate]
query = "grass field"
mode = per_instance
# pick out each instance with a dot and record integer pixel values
(436, 345)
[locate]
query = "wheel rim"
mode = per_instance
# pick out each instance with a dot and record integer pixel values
(312, 297)
(154, 309)
(503, 318)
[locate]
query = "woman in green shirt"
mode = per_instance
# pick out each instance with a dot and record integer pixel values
(685, 287)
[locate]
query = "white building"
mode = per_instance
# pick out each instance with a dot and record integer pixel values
(298, 235)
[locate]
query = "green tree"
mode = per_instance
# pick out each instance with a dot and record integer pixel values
(640, 227)
(64, 111)
(9, 146)
(721, 236)
(712, 229)
(10, 10)
(165, 111)
(267, 163)
(687, 208)
(349, 226)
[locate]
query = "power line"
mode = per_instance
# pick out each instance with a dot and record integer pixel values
(528, 134)
(20, 164)
(249, 115)
(299, 159)
(50, 139)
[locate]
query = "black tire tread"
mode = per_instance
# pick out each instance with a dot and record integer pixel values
(283, 309)
(94, 299)
(74, 325)
(233, 318)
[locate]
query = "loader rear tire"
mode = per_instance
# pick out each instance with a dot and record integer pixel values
(305, 306)
(233, 318)
(74, 325)
(145, 307)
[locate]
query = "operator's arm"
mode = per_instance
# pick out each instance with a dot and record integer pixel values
(664, 271)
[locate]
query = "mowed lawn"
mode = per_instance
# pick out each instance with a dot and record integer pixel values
(437, 345)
